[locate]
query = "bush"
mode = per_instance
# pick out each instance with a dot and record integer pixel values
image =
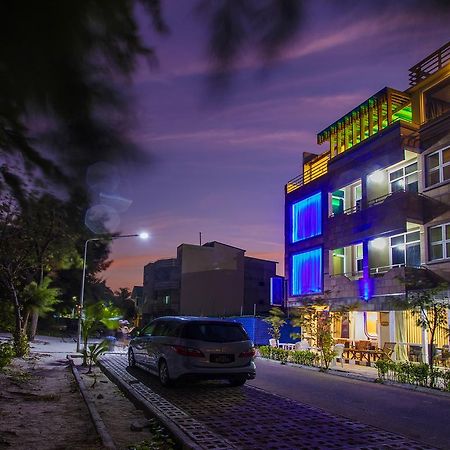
(21, 346)
(6, 354)
(418, 374)
(304, 357)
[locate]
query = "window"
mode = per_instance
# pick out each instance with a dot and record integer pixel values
(338, 202)
(214, 332)
(404, 179)
(358, 258)
(405, 249)
(439, 238)
(357, 196)
(438, 166)
(306, 272)
(307, 218)
(339, 261)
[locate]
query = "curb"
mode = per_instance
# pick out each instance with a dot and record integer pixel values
(145, 405)
(100, 426)
(365, 378)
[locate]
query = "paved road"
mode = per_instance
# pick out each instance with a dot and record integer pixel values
(417, 415)
(251, 418)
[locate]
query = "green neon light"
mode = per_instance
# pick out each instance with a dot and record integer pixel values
(403, 114)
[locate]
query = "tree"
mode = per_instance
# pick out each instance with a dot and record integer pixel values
(65, 111)
(430, 306)
(315, 320)
(93, 315)
(275, 321)
(39, 298)
(123, 300)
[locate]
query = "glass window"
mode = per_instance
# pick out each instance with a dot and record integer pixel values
(306, 272)
(405, 249)
(338, 261)
(307, 218)
(439, 238)
(438, 167)
(357, 196)
(338, 202)
(404, 179)
(214, 332)
(359, 257)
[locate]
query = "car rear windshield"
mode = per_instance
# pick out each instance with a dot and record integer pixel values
(214, 332)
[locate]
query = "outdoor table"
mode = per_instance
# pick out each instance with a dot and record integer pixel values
(368, 355)
(286, 346)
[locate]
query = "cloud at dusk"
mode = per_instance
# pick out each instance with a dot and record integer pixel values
(220, 162)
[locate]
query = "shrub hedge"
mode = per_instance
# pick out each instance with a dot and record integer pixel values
(304, 357)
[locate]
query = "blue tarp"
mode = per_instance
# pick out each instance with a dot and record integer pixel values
(258, 330)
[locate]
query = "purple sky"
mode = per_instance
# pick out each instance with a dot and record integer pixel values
(220, 162)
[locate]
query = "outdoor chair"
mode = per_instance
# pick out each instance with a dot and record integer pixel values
(362, 345)
(339, 350)
(302, 345)
(415, 353)
(388, 350)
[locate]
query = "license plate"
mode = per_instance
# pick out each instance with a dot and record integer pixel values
(222, 359)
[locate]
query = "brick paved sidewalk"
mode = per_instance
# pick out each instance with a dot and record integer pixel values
(215, 416)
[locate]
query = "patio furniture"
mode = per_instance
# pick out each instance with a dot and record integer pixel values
(362, 352)
(388, 350)
(339, 350)
(286, 346)
(415, 353)
(273, 343)
(302, 345)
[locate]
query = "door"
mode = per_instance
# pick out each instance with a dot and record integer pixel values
(141, 342)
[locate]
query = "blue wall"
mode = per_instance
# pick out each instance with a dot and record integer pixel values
(258, 330)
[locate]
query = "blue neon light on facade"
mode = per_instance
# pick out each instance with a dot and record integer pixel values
(306, 272)
(306, 218)
(276, 290)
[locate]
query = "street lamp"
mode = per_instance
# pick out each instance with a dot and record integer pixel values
(142, 235)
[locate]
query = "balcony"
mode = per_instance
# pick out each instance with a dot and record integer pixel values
(311, 170)
(388, 283)
(378, 218)
(370, 117)
(429, 65)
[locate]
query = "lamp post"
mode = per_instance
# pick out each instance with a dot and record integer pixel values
(83, 277)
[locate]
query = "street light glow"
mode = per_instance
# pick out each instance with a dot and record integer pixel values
(144, 235)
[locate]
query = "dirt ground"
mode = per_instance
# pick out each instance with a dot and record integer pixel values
(41, 408)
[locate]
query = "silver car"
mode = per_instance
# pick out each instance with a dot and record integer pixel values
(194, 347)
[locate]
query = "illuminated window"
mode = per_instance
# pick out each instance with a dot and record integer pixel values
(338, 261)
(338, 202)
(306, 272)
(440, 242)
(307, 218)
(405, 249)
(438, 166)
(404, 179)
(358, 258)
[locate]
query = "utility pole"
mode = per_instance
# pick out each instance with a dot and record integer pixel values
(200, 237)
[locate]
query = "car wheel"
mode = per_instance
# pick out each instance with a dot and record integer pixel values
(164, 377)
(237, 381)
(131, 360)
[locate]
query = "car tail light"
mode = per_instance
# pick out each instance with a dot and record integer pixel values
(187, 351)
(248, 354)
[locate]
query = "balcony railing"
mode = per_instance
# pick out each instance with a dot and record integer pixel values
(429, 65)
(312, 170)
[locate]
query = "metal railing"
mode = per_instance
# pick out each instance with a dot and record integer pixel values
(429, 65)
(321, 168)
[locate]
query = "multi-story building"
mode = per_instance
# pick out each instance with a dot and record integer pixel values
(369, 218)
(213, 279)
